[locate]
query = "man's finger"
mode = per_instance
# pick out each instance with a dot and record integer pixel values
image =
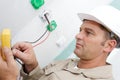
(18, 54)
(8, 55)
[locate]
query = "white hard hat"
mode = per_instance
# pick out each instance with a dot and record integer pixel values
(107, 16)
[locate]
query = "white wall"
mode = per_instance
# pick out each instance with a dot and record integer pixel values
(15, 14)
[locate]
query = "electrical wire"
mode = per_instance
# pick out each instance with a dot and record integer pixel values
(45, 15)
(38, 38)
(42, 40)
(18, 61)
(36, 41)
(47, 18)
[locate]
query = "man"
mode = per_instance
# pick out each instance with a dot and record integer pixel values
(98, 36)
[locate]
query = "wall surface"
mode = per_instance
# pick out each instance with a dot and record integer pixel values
(26, 25)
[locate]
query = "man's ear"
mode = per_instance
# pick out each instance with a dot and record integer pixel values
(110, 45)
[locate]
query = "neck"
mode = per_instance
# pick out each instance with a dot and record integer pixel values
(91, 63)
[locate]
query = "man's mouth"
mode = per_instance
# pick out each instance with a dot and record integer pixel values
(78, 45)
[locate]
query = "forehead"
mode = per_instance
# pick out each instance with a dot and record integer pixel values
(92, 25)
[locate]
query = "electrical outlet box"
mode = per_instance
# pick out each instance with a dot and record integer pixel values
(61, 41)
(42, 14)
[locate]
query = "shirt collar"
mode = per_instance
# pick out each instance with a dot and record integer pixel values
(98, 72)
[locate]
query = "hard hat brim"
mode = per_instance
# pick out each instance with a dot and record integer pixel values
(83, 16)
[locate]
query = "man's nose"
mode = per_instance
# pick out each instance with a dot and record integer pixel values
(80, 35)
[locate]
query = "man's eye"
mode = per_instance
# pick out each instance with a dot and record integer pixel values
(88, 32)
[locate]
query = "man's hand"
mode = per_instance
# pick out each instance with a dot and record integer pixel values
(8, 67)
(24, 52)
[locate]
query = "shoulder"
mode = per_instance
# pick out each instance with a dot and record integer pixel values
(60, 64)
